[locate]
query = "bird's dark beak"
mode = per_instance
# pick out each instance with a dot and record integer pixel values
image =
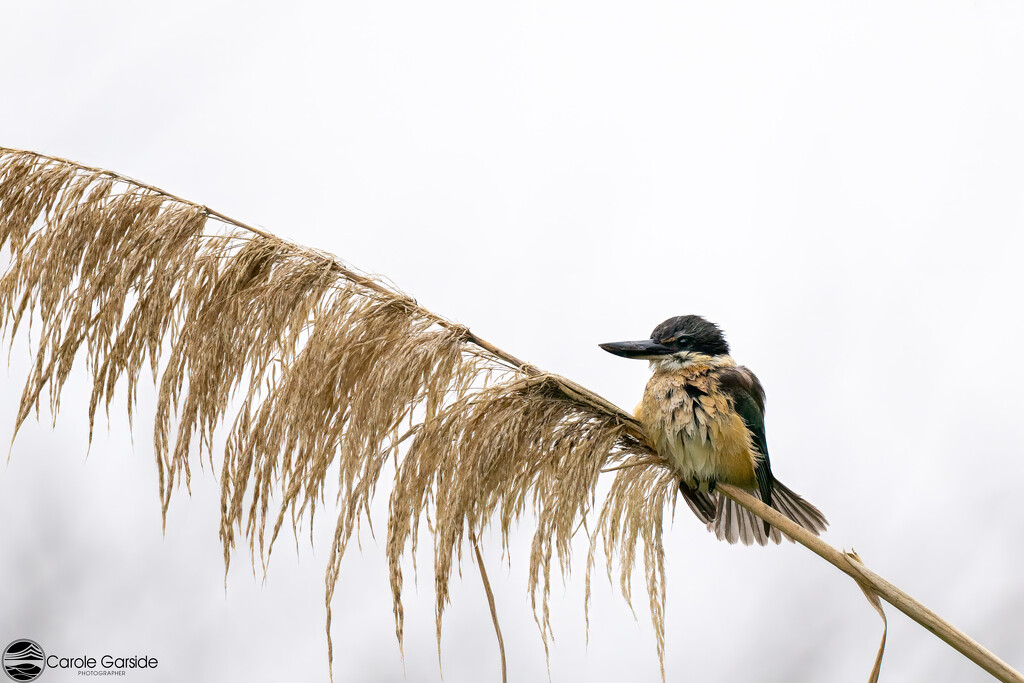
(647, 348)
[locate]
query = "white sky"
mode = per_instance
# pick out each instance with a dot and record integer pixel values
(839, 185)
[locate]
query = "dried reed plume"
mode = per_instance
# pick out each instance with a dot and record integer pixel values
(313, 364)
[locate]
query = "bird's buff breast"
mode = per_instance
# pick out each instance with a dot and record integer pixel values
(699, 433)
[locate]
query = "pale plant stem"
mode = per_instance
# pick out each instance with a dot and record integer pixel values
(957, 639)
(845, 562)
(490, 602)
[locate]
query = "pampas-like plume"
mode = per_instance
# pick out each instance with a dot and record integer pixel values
(313, 364)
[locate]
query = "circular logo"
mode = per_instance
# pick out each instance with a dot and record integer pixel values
(24, 660)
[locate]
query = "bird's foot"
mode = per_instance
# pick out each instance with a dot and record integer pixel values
(706, 486)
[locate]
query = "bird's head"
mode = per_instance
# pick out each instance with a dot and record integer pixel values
(677, 341)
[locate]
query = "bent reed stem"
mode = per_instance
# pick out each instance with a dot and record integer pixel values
(625, 424)
(896, 597)
(490, 603)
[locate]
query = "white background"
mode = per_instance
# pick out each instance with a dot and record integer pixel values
(837, 184)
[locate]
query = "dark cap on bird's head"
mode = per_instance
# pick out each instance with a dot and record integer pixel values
(683, 333)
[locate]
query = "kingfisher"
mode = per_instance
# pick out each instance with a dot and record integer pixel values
(705, 414)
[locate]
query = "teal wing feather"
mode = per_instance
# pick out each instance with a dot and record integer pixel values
(748, 401)
(752, 416)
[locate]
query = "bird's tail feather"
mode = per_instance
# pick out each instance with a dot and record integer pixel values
(702, 504)
(734, 523)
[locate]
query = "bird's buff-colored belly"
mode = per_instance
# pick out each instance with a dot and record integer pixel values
(714, 449)
(701, 461)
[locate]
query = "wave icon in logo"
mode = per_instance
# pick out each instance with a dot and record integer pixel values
(23, 660)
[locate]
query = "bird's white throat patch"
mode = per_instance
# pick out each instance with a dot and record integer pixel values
(683, 359)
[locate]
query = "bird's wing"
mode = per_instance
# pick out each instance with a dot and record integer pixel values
(748, 400)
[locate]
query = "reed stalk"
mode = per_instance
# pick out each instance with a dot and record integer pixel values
(314, 366)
